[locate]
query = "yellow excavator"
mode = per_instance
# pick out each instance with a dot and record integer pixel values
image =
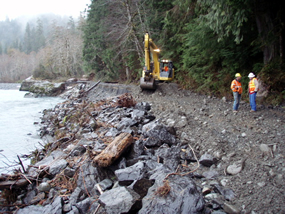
(155, 70)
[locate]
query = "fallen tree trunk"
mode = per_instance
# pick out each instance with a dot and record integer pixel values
(114, 150)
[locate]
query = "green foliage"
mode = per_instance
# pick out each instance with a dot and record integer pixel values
(273, 76)
(225, 17)
(211, 64)
(96, 53)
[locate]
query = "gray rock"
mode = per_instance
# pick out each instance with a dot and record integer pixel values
(105, 184)
(187, 154)
(30, 95)
(169, 156)
(137, 114)
(182, 122)
(134, 172)
(141, 186)
(218, 212)
(144, 106)
(235, 168)
(99, 147)
(157, 134)
(69, 172)
(33, 209)
(88, 177)
(118, 200)
(74, 210)
(231, 209)
(183, 197)
(78, 151)
(206, 190)
(207, 160)
(264, 148)
(113, 132)
(57, 166)
(52, 193)
(43, 187)
(75, 196)
(55, 207)
(210, 174)
(126, 122)
(38, 198)
(227, 193)
(170, 122)
(46, 162)
(83, 206)
(29, 196)
(42, 87)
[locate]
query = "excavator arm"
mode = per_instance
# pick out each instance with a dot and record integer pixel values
(149, 74)
(153, 68)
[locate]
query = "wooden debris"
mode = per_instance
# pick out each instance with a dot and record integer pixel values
(17, 184)
(84, 93)
(126, 100)
(114, 150)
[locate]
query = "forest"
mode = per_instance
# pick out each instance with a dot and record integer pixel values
(207, 40)
(47, 47)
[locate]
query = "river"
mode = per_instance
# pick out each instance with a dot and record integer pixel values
(19, 118)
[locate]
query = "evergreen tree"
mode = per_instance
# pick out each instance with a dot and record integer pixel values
(28, 39)
(71, 25)
(39, 41)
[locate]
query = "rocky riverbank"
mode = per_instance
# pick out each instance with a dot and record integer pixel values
(167, 151)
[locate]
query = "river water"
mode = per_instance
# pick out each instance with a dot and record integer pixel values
(18, 124)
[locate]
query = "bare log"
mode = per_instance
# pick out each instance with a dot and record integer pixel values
(114, 150)
(17, 184)
(89, 89)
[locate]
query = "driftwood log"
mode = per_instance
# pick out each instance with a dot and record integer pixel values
(114, 150)
(15, 184)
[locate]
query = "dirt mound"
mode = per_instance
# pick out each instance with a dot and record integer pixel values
(249, 146)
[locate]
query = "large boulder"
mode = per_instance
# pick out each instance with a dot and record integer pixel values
(176, 195)
(119, 200)
(42, 87)
(157, 134)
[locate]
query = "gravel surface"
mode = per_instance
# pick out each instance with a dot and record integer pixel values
(249, 146)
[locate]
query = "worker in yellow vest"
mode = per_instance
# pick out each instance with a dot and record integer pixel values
(237, 90)
(252, 90)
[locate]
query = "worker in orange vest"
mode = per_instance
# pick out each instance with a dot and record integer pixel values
(237, 90)
(252, 90)
(166, 68)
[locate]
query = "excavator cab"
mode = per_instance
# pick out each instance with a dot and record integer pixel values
(166, 70)
(154, 70)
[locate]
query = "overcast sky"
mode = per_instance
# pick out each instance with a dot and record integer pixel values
(16, 8)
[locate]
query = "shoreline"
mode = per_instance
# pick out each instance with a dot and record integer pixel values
(203, 145)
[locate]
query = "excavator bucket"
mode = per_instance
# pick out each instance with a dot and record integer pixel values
(147, 84)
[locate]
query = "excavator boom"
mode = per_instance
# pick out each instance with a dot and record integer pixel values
(154, 69)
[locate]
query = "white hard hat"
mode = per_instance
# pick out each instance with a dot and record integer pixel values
(251, 75)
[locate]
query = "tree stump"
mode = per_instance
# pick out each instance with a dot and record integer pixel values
(114, 150)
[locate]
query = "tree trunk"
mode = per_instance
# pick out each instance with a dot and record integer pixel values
(265, 28)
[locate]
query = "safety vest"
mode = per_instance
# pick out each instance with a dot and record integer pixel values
(236, 86)
(251, 86)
